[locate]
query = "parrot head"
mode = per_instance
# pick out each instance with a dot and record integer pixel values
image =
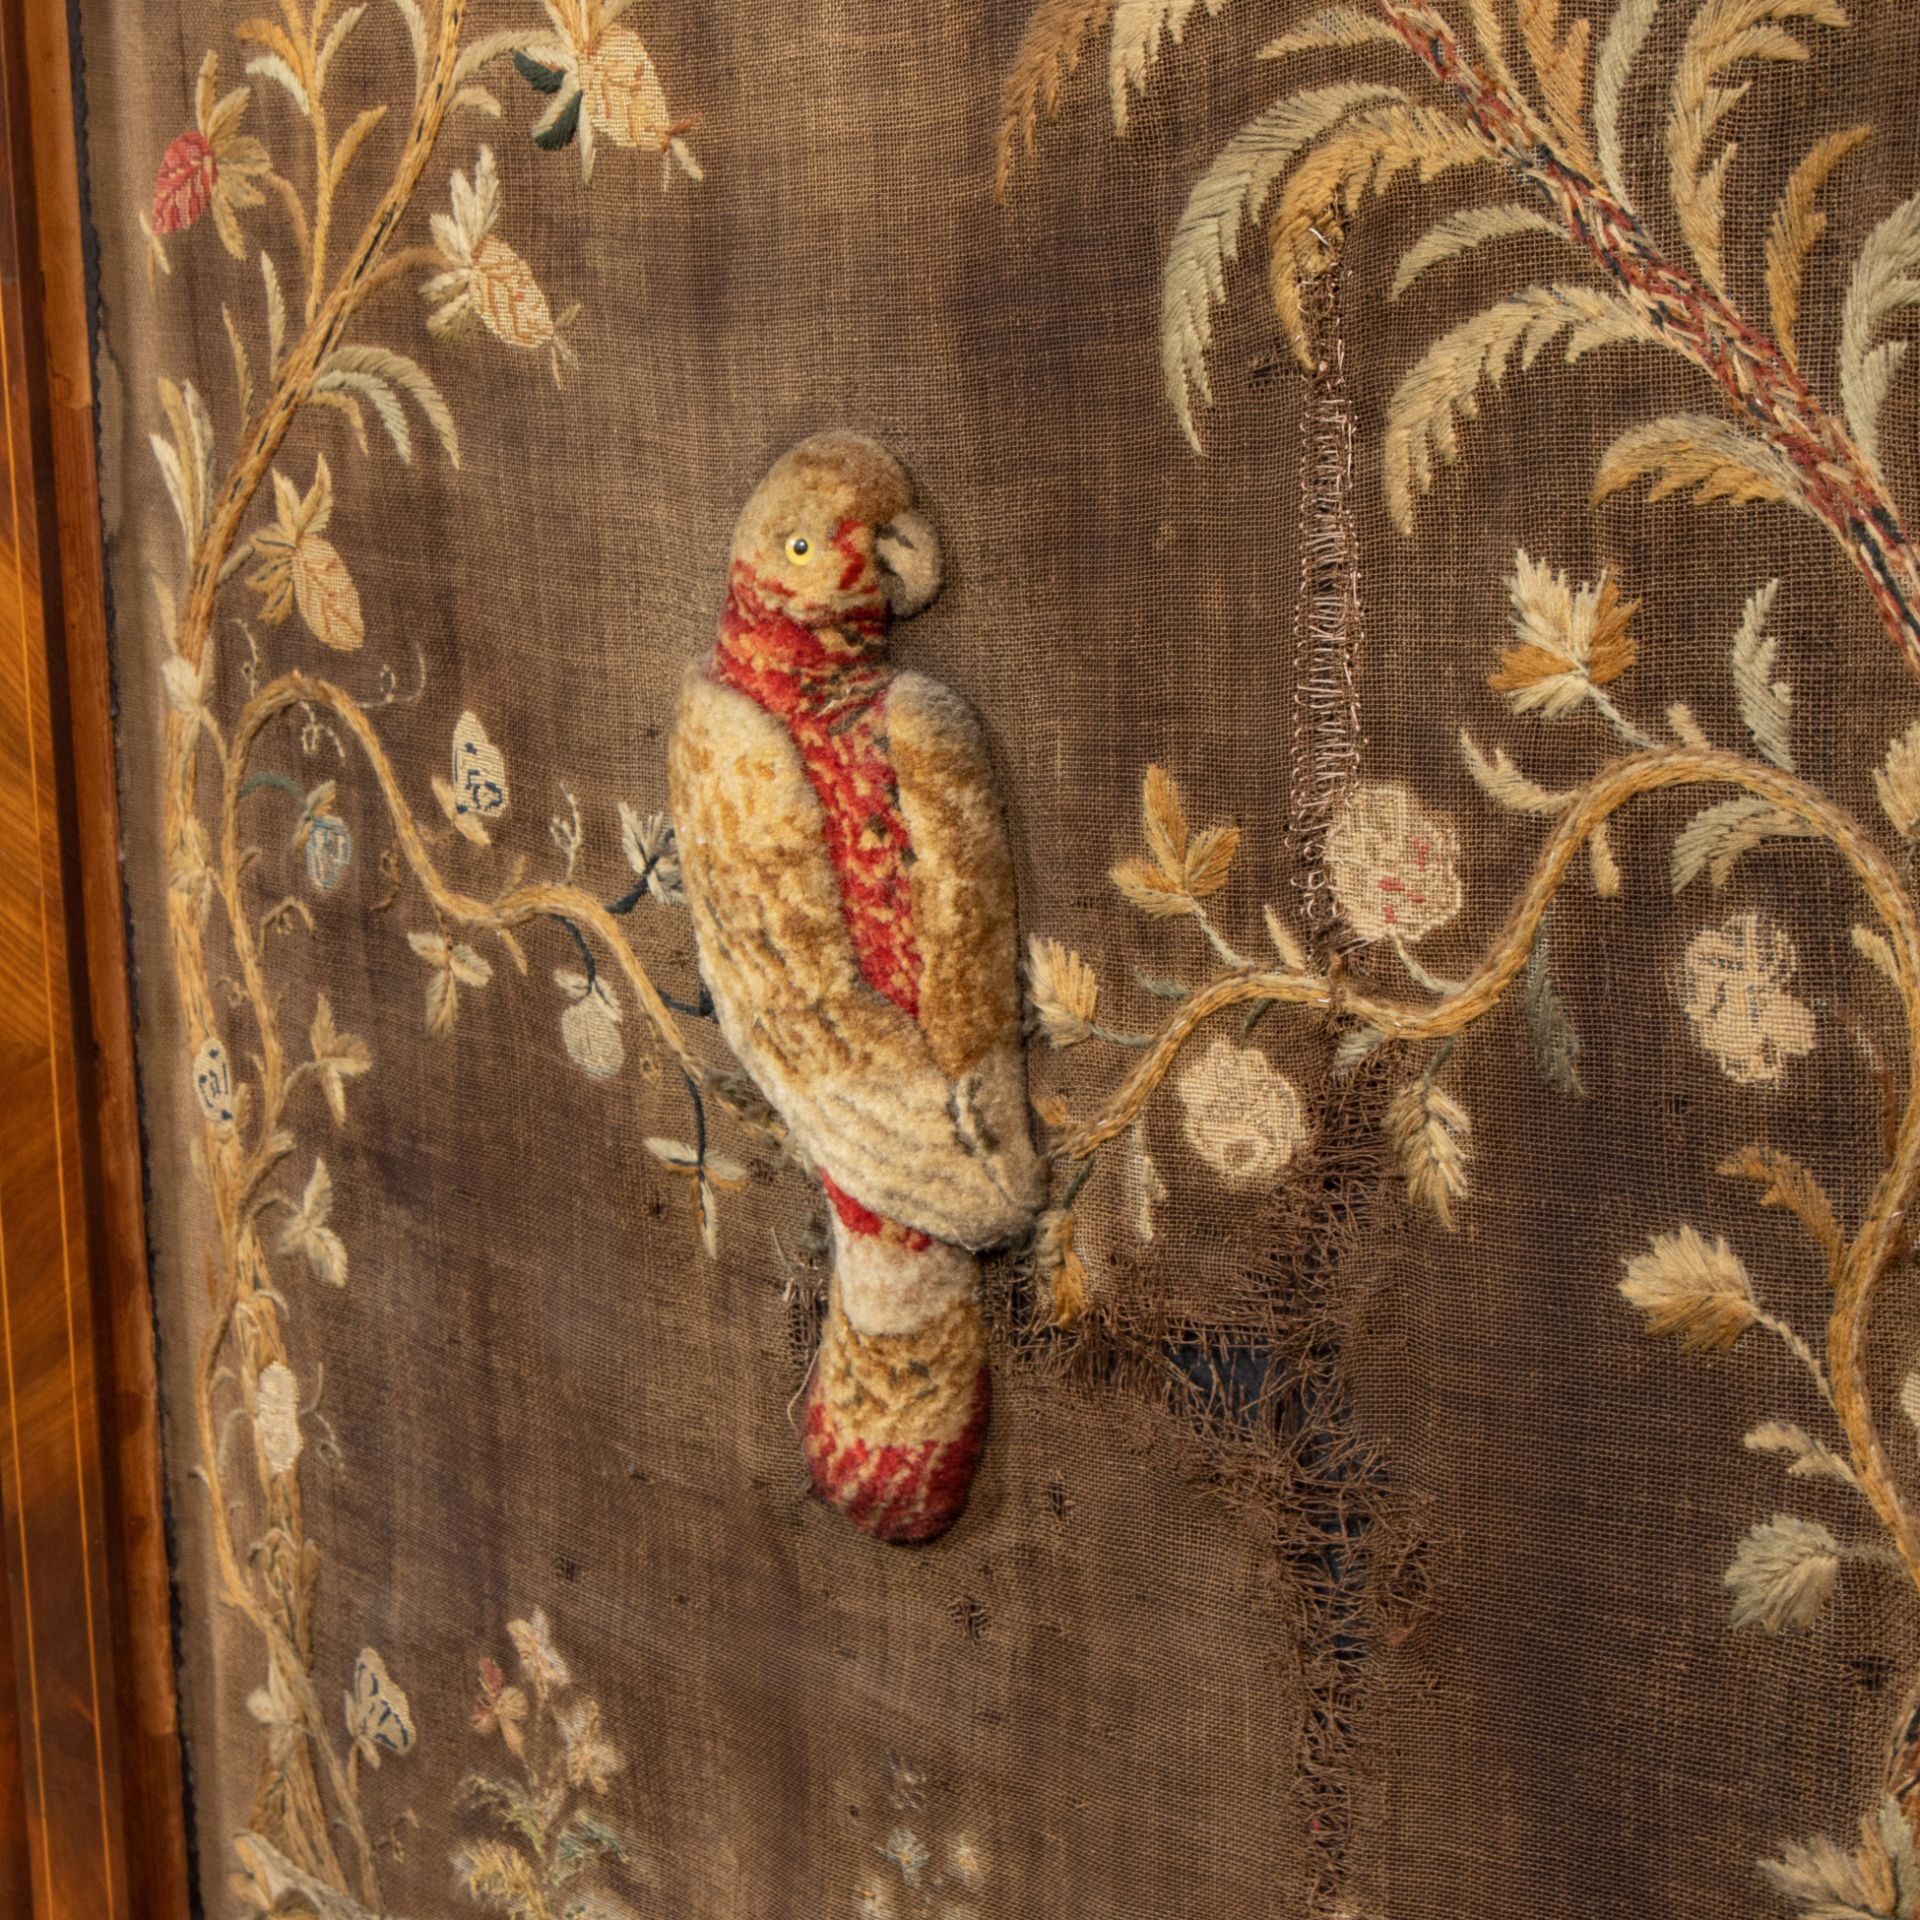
(831, 538)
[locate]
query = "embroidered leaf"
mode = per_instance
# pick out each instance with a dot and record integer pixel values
(1717, 836)
(1293, 956)
(1880, 1880)
(276, 312)
(1500, 780)
(1690, 452)
(271, 66)
(308, 1233)
(1140, 29)
(1049, 51)
(1432, 1134)
(590, 1026)
(1556, 1046)
(1783, 1574)
(242, 373)
(1607, 881)
(1147, 888)
(1876, 948)
(1897, 781)
(1886, 281)
(1164, 815)
(1698, 1294)
(337, 1058)
(417, 37)
(1144, 1188)
(1064, 990)
(353, 140)
(1560, 64)
(1443, 389)
(1809, 1459)
(1686, 728)
(1210, 860)
(557, 129)
(1910, 1400)
(1231, 192)
(1797, 226)
(1786, 1183)
(1366, 153)
(1460, 232)
(1766, 704)
(1722, 34)
(1626, 36)
(1332, 27)
(454, 966)
(1058, 1270)
(540, 77)
(370, 369)
(184, 687)
(324, 592)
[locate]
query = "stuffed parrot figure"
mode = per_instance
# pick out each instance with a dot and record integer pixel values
(846, 861)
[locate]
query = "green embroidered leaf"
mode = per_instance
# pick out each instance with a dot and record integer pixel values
(565, 124)
(583, 1840)
(537, 74)
(1556, 1046)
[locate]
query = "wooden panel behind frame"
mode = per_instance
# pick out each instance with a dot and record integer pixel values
(92, 1819)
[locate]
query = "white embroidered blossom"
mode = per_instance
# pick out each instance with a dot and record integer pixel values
(1733, 989)
(1394, 865)
(1243, 1117)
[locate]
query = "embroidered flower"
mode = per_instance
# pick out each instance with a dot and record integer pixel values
(648, 842)
(485, 280)
(1394, 865)
(532, 1640)
(592, 1759)
(213, 165)
(1573, 640)
(604, 85)
(1244, 1119)
(276, 1416)
(590, 1027)
(909, 1853)
(1733, 988)
(500, 1708)
(325, 839)
(305, 570)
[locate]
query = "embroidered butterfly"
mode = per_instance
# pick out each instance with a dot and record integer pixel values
(478, 791)
(213, 1083)
(378, 1717)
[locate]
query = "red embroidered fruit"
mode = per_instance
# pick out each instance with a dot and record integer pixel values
(184, 189)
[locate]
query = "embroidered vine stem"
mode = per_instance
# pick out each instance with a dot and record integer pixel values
(1857, 1271)
(531, 900)
(272, 1586)
(1838, 484)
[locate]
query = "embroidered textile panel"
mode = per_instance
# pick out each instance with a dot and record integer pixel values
(1413, 496)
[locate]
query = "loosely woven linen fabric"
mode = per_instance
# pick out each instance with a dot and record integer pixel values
(1421, 490)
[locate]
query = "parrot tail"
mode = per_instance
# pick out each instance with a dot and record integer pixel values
(896, 1414)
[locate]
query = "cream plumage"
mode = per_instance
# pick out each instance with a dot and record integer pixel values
(852, 894)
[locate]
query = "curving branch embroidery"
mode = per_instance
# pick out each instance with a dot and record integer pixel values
(1766, 435)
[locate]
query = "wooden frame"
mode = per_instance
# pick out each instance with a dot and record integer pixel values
(92, 1818)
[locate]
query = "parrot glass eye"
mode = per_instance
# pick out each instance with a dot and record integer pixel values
(799, 549)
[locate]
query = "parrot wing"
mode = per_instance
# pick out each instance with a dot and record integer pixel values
(859, 1081)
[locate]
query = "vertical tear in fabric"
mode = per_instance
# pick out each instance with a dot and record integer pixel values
(1329, 621)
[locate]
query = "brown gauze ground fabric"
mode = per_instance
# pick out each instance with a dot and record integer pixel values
(1422, 496)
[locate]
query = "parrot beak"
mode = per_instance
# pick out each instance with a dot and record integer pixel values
(908, 553)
